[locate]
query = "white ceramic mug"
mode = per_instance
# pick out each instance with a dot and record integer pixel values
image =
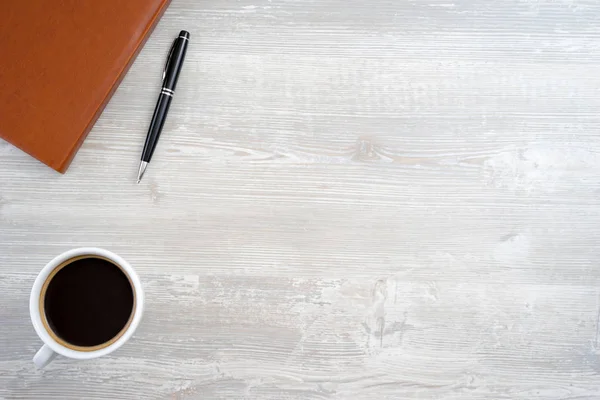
(51, 346)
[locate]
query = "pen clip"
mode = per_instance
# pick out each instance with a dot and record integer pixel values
(164, 74)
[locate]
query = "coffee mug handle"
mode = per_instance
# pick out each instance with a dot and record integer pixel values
(44, 356)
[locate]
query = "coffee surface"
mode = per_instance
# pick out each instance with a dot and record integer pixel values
(88, 302)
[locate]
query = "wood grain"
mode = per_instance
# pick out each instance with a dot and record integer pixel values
(350, 200)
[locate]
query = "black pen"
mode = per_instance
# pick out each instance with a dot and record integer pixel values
(170, 75)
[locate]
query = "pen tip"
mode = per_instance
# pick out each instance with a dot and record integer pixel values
(143, 166)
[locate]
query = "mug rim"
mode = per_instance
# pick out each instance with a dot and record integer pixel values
(36, 313)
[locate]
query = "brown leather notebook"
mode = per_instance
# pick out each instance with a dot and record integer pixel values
(60, 62)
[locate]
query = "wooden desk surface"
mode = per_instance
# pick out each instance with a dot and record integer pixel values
(350, 200)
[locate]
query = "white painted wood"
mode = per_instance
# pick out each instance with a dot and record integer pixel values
(350, 200)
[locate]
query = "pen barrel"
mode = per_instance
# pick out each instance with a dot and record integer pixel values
(170, 76)
(156, 125)
(176, 60)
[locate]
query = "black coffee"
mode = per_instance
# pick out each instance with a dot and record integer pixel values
(88, 302)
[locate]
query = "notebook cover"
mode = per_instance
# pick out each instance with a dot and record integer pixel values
(60, 62)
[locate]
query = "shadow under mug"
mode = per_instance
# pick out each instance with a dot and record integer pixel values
(54, 345)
